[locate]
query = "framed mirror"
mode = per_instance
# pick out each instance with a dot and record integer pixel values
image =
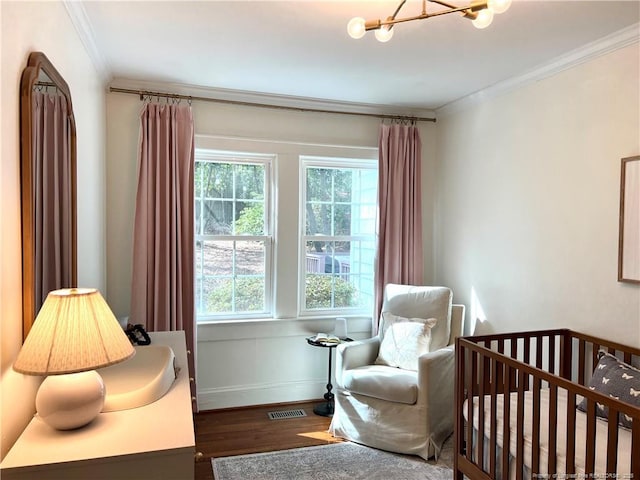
(48, 185)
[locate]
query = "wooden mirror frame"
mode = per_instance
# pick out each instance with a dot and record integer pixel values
(629, 227)
(38, 63)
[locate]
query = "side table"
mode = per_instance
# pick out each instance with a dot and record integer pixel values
(326, 409)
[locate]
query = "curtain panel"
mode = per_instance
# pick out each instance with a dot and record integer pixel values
(162, 293)
(399, 256)
(53, 215)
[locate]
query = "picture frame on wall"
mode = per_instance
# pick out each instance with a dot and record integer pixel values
(629, 232)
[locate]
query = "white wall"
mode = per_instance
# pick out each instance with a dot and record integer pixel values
(250, 362)
(46, 27)
(528, 197)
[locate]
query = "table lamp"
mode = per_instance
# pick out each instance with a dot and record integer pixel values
(75, 333)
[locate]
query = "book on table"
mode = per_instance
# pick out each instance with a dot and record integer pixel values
(325, 338)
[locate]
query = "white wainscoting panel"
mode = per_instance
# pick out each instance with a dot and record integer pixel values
(263, 362)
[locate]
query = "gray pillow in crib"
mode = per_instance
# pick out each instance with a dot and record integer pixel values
(617, 379)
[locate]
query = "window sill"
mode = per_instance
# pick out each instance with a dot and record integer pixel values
(220, 330)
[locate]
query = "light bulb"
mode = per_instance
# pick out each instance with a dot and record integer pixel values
(384, 33)
(499, 6)
(355, 27)
(484, 18)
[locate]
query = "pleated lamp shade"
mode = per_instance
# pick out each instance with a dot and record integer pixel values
(74, 331)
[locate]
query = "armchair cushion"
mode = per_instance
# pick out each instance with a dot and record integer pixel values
(412, 301)
(404, 341)
(383, 382)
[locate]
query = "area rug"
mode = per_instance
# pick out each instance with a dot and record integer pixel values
(334, 461)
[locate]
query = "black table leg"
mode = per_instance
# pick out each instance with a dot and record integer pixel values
(326, 409)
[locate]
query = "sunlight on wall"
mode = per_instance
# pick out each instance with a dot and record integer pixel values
(476, 311)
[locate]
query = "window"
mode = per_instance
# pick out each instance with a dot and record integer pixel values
(233, 235)
(338, 239)
(283, 229)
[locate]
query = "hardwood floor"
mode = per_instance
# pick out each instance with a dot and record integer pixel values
(239, 431)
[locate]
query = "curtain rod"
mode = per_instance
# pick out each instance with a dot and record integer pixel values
(146, 93)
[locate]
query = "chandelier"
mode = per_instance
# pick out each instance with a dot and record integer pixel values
(480, 12)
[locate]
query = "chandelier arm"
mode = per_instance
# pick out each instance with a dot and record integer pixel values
(398, 9)
(470, 11)
(473, 7)
(374, 25)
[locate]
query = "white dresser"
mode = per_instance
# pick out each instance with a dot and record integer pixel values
(155, 441)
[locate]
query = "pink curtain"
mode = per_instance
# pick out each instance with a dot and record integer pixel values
(399, 256)
(162, 294)
(53, 209)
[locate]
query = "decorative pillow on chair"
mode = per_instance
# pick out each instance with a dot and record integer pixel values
(617, 379)
(404, 341)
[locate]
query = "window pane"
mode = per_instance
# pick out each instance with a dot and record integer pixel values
(343, 185)
(318, 291)
(216, 297)
(219, 180)
(363, 219)
(249, 181)
(324, 291)
(319, 182)
(250, 258)
(342, 219)
(327, 281)
(217, 258)
(250, 219)
(318, 218)
(249, 295)
(217, 217)
(198, 220)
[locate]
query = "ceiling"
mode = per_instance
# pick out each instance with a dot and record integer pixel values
(301, 48)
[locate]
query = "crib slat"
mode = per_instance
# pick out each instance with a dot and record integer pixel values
(553, 420)
(481, 431)
(506, 421)
(539, 351)
(571, 433)
(635, 448)
(535, 427)
(459, 402)
(590, 457)
(520, 427)
(494, 420)
(581, 365)
(566, 352)
(594, 355)
(552, 354)
(469, 373)
(514, 355)
(527, 357)
(612, 442)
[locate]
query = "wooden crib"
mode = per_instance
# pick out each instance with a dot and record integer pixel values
(516, 408)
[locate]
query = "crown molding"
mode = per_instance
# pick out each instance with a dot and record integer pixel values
(620, 39)
(284, 101)
(82, 24)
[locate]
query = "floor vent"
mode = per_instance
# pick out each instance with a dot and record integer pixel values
(286, 414)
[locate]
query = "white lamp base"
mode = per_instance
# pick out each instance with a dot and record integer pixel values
(70, 401)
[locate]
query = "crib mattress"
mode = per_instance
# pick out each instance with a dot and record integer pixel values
(560, 427)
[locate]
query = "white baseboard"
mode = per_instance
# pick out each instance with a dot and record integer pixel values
(260, 394)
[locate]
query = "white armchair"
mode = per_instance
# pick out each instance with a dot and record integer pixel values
(395, 409)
